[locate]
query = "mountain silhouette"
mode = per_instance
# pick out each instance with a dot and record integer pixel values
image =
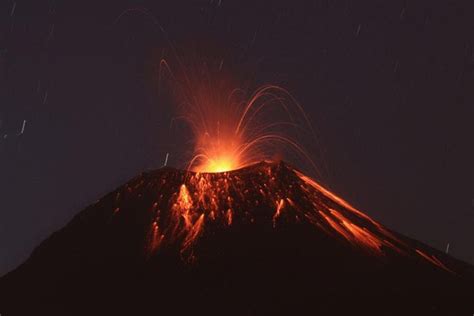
(262, 240)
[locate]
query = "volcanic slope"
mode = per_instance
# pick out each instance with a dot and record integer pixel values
(262, 240)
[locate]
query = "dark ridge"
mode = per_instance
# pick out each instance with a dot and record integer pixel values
(100, 263)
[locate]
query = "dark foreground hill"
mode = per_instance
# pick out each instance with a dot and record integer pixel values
(262, 240)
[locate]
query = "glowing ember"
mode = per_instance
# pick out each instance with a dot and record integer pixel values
(233, 132)
(188, 206)
(218, 163)
(234, 135)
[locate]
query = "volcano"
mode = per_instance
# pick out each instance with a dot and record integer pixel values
(261, 240)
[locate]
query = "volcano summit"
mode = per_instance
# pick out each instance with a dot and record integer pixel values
(265, 239)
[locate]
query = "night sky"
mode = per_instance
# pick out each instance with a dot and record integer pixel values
(386, 84)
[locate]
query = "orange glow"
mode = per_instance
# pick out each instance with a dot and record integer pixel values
(202, 192)
(230, 128)
(184, 200)
(280, 205)
(156, 237)
(231, 131)
(230, 198)
(219, 163)
(235, 134)
(433, 260)
(229, 217)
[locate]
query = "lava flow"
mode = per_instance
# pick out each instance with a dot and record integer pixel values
(235, 232)
(268, 194)
(248, 241)
(263, 237)
(233, 135)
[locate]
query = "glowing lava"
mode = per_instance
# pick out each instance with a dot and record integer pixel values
(231, 129)
(218, 164)
(187, 205)
(239, 133)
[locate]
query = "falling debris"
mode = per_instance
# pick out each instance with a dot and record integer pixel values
(447, 248)
(221, 64)
(358, 30)
(51, 32)
(13, 9)
(45, 98)
(402, 14)
(254, 37)
(22, 128)
(166, 160)
(395, 68)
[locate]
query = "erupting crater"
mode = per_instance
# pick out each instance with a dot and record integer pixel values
(185, 205)
(262, 239)
(234, 233)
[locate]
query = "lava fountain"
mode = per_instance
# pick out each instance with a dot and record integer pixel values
(238, 138)
(231, 130)
(232, 178)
